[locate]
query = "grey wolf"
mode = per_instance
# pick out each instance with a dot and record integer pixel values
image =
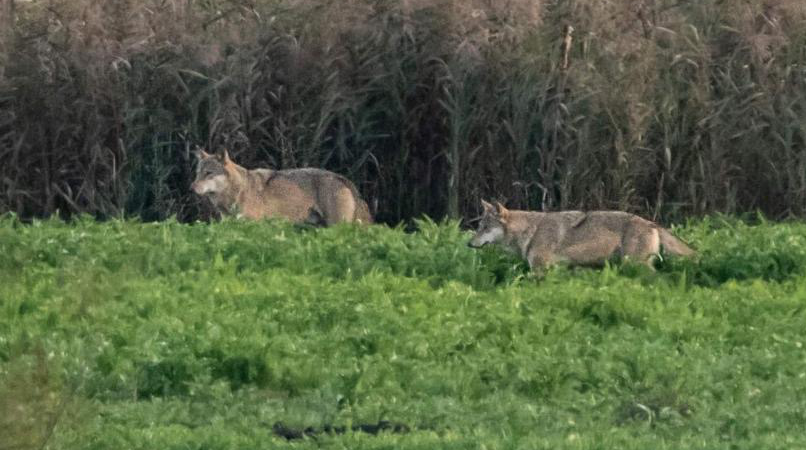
(307, 195)
(575, 237)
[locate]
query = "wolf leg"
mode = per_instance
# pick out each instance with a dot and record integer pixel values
(338, 206)
(315, 218)
(641, 244)
(538, 263)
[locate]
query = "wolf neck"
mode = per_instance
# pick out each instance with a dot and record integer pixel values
(234, 196)
(519, 230)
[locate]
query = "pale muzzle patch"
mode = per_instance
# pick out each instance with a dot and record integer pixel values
(210, 186)
(487, 236)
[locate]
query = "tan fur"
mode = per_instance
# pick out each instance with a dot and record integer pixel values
(575, 237)
(308, 195)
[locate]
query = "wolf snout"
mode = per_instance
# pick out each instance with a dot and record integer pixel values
(196, 188)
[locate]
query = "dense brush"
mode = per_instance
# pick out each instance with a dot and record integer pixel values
(664, 107)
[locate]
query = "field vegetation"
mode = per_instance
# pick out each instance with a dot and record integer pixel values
(122, 334)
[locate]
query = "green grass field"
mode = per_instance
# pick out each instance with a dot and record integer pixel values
(173, 336)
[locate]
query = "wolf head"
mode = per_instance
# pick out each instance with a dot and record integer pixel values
(212, 173)
(492, 227)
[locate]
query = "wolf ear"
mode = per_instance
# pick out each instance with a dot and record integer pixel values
(501, 211)
(223, 155)
(488, 208)
(200, 153)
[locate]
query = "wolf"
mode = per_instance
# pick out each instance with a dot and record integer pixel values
(303, 196)
(575, 237)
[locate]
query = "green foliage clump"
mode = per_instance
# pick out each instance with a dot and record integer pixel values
(124, 334)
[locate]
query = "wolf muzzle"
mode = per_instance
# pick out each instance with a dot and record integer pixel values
(196, 188)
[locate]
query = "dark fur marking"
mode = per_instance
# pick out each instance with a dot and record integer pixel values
(579, 222)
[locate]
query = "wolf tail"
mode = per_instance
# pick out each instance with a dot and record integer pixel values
(673, 245)
(362, 212)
